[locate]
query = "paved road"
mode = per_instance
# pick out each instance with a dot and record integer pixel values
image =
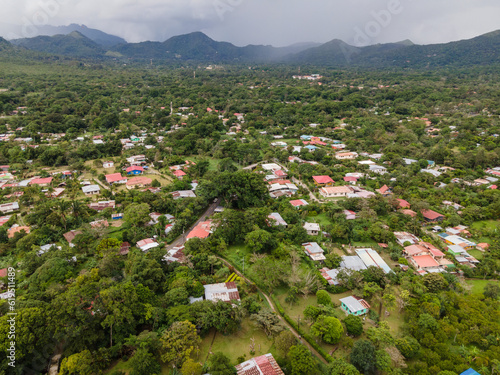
(269, 300)
(180, 241)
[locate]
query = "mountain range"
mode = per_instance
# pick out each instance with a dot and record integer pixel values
(198, 47)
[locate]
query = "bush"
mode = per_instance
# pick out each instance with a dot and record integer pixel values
(353, 325)
(323, 298)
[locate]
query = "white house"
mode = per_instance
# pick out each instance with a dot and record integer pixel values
(335, 191)
(312, 228)
(108, 164)
(91, 190)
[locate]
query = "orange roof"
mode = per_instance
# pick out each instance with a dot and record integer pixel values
(14, 230)
(139, 181)
(323, 179)
(202, 230)
(403, 203)
(41, 181)
(179, 173)
(425, 261)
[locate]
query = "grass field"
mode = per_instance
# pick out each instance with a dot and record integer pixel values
(478, 285)
(476, 254)
(486, 224)
(237, 344)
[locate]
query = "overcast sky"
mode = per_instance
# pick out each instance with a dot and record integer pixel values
(276, 22)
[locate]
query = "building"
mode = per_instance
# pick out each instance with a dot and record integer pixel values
(138, 160)
(354, 306)
(345, 155)
(135, 170)
(226, 292)
(91, 190)
(312, 228)
(9, 207)
(457, 240)
(470, 372)
(147, 244)
(372, 259)
(385, 191)
(403, 204)
(139, 182)
(99, 224)
(202, 230)
(17, 229)
(183, 194)
(108, 164)
(350, 215)
(323, 180)
(298, 203)
(263, 365)
(276, 219)
(314, 251)
(175, 254)
(432, 216)
(404, 237)
(426, 258)
(179, 174)
(42, 182)
(116, 178)
(335, 191)
(70, 236)
(102, 205)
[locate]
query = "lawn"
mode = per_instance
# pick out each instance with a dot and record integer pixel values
(478, 285)
(237, 344)
(476, 254)
(321, 219)
(486, 224)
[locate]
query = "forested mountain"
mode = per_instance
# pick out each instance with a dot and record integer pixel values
(198, 47)
(95, 35)
(4, 45)
(74, 44)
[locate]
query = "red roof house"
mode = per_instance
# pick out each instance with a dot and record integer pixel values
(323, 180)
(403, 203)
(41, 181)
(116, 178)
(202, 230)
(432, 216)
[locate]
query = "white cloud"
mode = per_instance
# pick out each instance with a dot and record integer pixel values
(277, 22)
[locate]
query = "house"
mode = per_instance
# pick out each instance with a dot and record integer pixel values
(312, 228)
(276, 219)
(135, 170)
(298, 203)
(9, 207)
(345, 155)
(202, 230)
(102, 205)
(147, 244)
(470, 372)
(139, 182)
(271, 167)
(402, 203)
(403, 237)
(179, 174)
(483, 246)
(351, 179)
(350, 215)
(4, 219)
(426, 258)
(314, 251)
(183, 194)
(108, 164)
(457, 240)
(91, 190)
(432, 216)
(124, 248)
(137, 160)
(116, 178)
(323, 180)
(226, 292)
(57, 192)
(175, 254)
(99, 224)
(41, 181)
(263, 365)
(118, 216)
(354, 306)
(385, 191)
(409, 213)
(17, 229)
(372, 259)
(70, 236)
(335, 191)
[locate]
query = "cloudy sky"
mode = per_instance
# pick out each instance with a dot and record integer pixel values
(276, 22)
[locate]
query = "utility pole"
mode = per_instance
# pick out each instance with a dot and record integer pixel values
(243, 265)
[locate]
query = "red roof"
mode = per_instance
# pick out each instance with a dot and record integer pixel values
(323, 179)
(279, 173)
(384, 189)
(431, 215)
(179, 173)
(350, 179)
(403, 203)
(493, 187)
(425, 261)
(139, 181)
(410, 213)
(41, 181)
(115, 177)
(3, 272)
(298, 202)
(202, 230)
(135, 168)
